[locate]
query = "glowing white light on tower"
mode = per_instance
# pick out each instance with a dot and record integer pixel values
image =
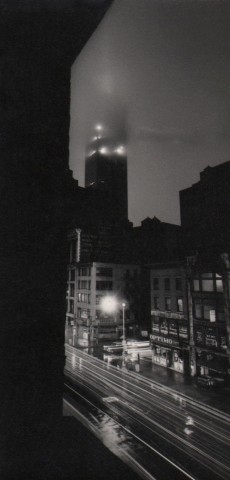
(103, 150)
(120, 150)
(98, 128)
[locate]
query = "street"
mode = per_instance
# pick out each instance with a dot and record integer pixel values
(158, 428)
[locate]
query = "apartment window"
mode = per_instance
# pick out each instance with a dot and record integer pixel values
(72, 290)
(180, 304)
(208, 282)
(104, 272)
(84, 284)
(219, 283)
(83, 298)
(178, 283)
(167, 304)
(71, 306)
(156, 284)
(209, 310)
(104, 285)
(167, 283)
(72, 275)
(156, 303)
(84, 271)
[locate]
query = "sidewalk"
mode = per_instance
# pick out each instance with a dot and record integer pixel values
(214, 398)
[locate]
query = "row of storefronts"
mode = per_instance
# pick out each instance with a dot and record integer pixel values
(194, 341)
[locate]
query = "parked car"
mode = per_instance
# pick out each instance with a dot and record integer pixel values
(206, 381)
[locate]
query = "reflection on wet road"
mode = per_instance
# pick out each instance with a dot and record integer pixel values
(159, 432)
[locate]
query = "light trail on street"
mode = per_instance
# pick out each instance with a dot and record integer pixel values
(191, 435)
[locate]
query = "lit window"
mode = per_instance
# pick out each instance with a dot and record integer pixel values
(207, 285)
(180, 306)
(167, 303)
(156, 303)
(219, 283)
(209, 310)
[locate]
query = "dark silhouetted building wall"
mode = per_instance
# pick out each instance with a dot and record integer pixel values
(205, 209)
(39, 41)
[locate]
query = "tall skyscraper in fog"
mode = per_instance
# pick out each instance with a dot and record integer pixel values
(106, 170)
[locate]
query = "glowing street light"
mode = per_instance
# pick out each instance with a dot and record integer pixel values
(123, 321)
(109, 304)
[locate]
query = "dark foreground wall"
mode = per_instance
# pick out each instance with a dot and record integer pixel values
(39, 40)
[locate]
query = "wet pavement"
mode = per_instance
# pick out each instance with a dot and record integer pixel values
(215, 398)
(146, 410)
(218, 399)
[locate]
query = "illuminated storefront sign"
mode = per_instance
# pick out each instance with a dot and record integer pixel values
(164, 340)
(159, 313)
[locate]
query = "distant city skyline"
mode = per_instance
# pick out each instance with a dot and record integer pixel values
(155, 75)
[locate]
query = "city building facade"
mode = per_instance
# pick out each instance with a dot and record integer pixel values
(95, 294)
(106, 170)
(209, 313)
(169, 316)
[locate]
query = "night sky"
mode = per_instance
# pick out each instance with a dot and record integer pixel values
(156, 76)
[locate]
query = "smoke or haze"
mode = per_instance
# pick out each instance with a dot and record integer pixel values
(156, 75)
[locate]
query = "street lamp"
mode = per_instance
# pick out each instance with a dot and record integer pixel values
(123, 318)
(123, 322)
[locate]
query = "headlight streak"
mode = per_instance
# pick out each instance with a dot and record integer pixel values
(162, 405)
(197, 405)
(113, 383)
(116, 375)
(176, 440)
(148, 475)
